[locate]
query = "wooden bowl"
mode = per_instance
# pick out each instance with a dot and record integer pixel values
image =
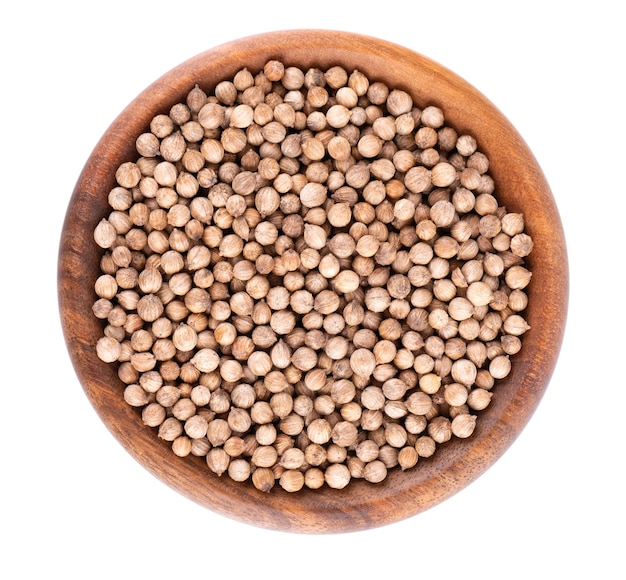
(521, 187)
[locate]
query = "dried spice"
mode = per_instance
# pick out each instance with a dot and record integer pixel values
(307, 278)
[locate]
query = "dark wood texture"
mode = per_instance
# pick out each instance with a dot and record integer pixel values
(521, 186)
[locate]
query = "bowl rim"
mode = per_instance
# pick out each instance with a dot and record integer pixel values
(361, 505)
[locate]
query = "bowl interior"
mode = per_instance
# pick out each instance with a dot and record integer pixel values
(520, 186)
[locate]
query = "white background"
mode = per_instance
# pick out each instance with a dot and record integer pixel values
(74, 504)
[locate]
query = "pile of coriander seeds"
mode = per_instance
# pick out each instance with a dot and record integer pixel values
(308, 278)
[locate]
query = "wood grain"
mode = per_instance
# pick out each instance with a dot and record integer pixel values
(521, 186)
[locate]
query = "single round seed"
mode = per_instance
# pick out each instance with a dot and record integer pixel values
(463, 425)
(337, 476)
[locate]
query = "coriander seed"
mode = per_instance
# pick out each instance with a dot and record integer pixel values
(308, 278)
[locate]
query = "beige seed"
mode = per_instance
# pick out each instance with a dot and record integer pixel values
(478, 399)
(136, 396)
(291, 480)
(239, 470)
(184, 338)
(105, 234)
(218, 460)
(313, 148)
(337, 476)
(517, 277)
(369, 145)
(384, 351)
(377, 299)
(239, 420)
(338, 116)
(314, 236)
(419, 403)
(515, 325)
(430, 383)
(205, 360)
(464, 371)
(313, 194)
(108, 349)
(513, 224)
(460, 308)
(128, 175)
(183, 446)
(153, 415)
(395, 435)
(196, 427)
(373, 398)
(304, 358)
(313, 478)
(231, 370)
(263, 479)
(339, 215)
(346, 281)
(455, 394)
(394, 389)
(259, 363)
(500, 367)
(344, 434)
(442, 213)
(440, 429)
(407, 458)
(149, 307)
(319, 431)
(479, 293)
(339, 148)
(375, 471)
(425, 446)
(363, 362)
(275, 382)
(326, 302)
(443, 174)
(218, 431)
(463, 425)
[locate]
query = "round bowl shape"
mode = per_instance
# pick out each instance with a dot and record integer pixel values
(520, 186)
